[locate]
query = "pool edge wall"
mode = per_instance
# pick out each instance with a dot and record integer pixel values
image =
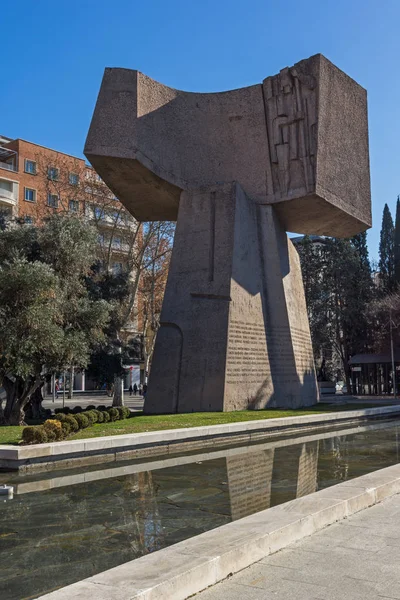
(75, 453)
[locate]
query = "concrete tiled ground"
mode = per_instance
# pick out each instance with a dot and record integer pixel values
(133, 402)
(357, 558)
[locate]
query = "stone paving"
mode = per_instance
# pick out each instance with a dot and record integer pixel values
(357, 558)
(84, 400)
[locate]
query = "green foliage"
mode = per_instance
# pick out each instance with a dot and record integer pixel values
(34, 435)
(397, 245)
(47, 319)
(73, 423)
(121, 411)
(60, 417)
(386, 253)
(124, 412)
(53, 429)
(90, 416)
(102, 407)
(107, 417)
(100, 417)
(77, 409)
(114, 414)
(338, 288)
(66, 428)
(82, 420)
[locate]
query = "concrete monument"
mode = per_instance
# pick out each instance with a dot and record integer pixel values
(236, 170)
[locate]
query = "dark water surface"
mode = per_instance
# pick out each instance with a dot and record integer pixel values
(64, 526)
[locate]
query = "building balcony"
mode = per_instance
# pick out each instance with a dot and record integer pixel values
(8, 166)
(8, 159)
(7, 198)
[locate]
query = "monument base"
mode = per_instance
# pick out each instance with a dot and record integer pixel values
(234, 330)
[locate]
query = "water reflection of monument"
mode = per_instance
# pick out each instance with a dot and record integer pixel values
(255, 478)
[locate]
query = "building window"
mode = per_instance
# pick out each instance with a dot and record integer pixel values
(73, 205)
(52, 200)
(52, 173)
(30, 195)
(98, 213)
(117, 268)
(116, 243)
(73, 178)
(30, 166)
(28, 220)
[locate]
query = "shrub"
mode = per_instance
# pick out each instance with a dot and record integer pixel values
(114, 413)
(66, 410)
(121, 411)
(59, 411)
(47, 413)
(53, 429)
(90, 417)
(60, 417)
(102, 407)
(100, 416)
(82, 420)
(66, 428)
(91, 407)
(77, 409)
(107, 417)
(34, 435)
(73, 423)
(95, 414)
(127, 412)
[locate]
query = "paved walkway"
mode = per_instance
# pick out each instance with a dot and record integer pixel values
(357, 558)
(133, 402)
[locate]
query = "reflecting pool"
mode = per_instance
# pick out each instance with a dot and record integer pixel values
(64, 526)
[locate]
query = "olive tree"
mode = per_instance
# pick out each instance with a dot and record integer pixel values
(47, 318)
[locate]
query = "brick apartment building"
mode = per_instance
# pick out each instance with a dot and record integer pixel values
(36, 182)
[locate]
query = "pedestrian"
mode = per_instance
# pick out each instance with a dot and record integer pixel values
(144, 390)
(135, 389)
(57, 388)
(140, 389)
(130, 390)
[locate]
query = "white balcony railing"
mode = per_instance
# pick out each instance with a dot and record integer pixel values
(8, 166)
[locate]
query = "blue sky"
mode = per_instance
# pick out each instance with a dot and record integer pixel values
(54, 54)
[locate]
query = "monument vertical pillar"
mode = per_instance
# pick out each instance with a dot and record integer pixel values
(225, 341)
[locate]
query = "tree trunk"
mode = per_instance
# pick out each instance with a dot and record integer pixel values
(118, 398)
(71, 383)
(35, 404)
(18, 393)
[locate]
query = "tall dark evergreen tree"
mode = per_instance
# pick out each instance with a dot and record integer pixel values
(397, 245)
(359, 242)
(386, 253)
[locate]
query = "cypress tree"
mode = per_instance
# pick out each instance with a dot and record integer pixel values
(386, 252)
(397, 245)
(359, 242)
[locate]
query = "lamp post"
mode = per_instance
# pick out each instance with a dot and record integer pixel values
(392, 353)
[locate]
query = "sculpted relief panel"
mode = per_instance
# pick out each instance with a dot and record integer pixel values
(291, 114)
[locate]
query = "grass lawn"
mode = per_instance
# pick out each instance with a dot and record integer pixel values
(140, 423)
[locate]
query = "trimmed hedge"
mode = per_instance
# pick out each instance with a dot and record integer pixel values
(83, 421)
(34, 435)
(62, 424)
(114, 413)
